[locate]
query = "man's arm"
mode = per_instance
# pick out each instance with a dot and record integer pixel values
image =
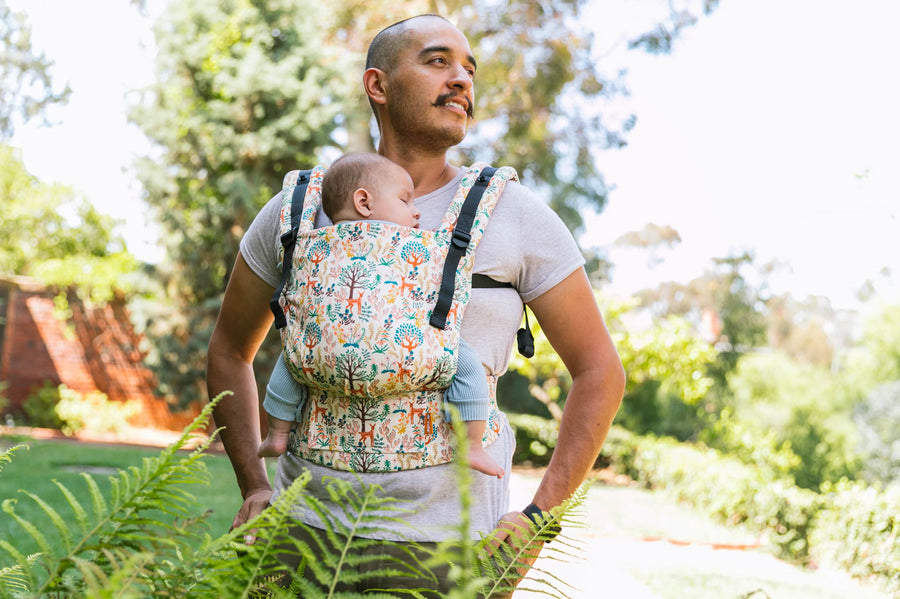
(569, 316)
(571, 319)
(243, 322)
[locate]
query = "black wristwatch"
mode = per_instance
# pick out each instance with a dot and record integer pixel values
(541, 519)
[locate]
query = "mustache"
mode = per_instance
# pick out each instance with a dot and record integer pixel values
(470, 110)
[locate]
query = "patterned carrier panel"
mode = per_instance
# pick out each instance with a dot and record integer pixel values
(357, 306)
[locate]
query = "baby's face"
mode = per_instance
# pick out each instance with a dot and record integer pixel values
(393, 198)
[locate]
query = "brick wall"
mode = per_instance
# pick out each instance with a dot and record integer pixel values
(97, 349)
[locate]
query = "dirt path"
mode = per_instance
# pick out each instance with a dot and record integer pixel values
(640, 545)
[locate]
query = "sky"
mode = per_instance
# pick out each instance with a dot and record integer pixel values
(772, 127)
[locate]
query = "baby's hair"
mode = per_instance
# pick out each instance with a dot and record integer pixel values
(347, 174)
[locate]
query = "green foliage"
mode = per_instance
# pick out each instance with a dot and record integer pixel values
(115, 538)
(728, 490)
(58, 407)
(40, 406)
(141, 540)
(665, 365)
(245, 92)
(878, 420)
(535, 438)
(801, 406)
(93, 412)
(876, 359)
(848, 522)
(49, 233)
(860, 531)
(26, 89)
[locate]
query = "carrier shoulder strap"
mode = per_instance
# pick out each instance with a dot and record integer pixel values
(289, 241)
(458, 244)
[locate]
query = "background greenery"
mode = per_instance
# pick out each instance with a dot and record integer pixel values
(787, 388)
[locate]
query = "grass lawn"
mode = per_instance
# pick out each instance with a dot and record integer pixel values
(36, 468)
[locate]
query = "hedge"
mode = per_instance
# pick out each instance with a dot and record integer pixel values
(849, 524)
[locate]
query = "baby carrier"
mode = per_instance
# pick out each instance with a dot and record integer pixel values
(369, 315)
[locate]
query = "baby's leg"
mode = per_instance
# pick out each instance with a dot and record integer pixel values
(479, 458)
(276, 440)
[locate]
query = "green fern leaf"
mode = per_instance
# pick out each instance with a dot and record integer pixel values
(6, 455)
(81, 517)
(62, 528)
(97, 500)
(503, 576)
(17, 580)
(30, 528)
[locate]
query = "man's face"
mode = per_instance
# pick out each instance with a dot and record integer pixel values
(431, 93)
(392, 198)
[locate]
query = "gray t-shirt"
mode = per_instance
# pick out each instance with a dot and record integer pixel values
(525, 243)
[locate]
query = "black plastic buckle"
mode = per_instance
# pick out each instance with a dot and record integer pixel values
(289, 238)
(460, 239)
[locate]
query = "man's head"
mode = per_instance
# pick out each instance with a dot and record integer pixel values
(367, 186)
(419, 79)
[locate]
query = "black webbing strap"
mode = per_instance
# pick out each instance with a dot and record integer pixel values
(524, 337)
(480, 281)
(289, 241)
(458, 244)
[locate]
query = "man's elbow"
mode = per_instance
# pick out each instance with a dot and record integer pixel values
(616, 380)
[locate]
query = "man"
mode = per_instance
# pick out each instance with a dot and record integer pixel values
(420, 81)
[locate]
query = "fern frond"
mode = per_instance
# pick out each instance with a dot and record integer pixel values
(252, 570)
(16, 580)
(502, 567)
(126, 525)
(98, 502)
(6, 455)
(62, 528)
(31, 529)
(81, 516)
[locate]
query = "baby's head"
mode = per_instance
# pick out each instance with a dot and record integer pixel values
(368, 186)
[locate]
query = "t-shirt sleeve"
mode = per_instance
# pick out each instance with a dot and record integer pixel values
(548, 249)
(259, 245)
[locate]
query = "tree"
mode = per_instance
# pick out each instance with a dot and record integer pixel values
(249, 90)
(539, 87)
(878, 420)
(800, 328)
(26, 88)
(801, 404)
(245, 92)
(665, 366)
(50, 233)
(737, 303)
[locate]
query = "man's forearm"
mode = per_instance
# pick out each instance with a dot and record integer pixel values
(239, 415)
(589, 411)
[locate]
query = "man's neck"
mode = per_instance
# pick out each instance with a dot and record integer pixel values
(427, 171)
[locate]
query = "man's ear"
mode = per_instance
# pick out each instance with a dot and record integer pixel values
(362, 202)
(373, 82)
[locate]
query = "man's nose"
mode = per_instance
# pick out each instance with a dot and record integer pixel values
(460, 78)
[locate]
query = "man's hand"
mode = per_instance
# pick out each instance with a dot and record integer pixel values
(514, 532)
(253, 506)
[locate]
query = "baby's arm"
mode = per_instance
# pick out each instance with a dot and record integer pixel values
(284, 397)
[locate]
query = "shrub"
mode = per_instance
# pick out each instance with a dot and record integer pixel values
(535, 438)
(859, 530)
(40, 407)
(849, 523)
(92, 412)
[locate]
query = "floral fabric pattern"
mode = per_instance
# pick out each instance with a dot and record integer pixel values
(357, 305)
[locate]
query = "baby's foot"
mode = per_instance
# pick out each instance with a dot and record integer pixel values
(274, 444)
(481, 460)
